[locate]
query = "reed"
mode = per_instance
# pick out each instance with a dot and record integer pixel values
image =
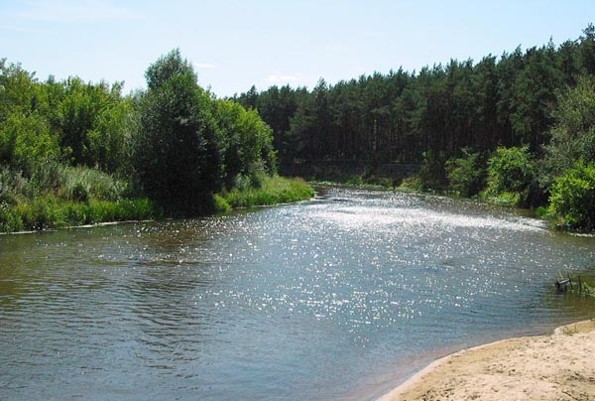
(272, 190)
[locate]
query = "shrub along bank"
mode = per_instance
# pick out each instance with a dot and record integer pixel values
(75, 153)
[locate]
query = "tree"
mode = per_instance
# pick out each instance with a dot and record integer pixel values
(18, 90)
(25, 141)
(511, 171)
(175, 152)
(534, 96)
(91, 122)
(573, 134)
(466, 174)
(245, 143)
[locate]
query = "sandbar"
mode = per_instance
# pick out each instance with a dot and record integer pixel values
(559, 367)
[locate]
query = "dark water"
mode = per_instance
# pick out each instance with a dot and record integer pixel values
(336, 299)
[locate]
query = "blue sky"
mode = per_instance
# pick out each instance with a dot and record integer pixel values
(236, 44)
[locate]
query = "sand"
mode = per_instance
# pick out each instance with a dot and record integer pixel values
(556, 367)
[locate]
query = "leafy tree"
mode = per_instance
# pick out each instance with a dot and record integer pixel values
(511, 171)
(466, 174)
(25, 140)
(175, 152)
(18, 90)
(25, 135)
(109, 140)
(92, 123)
(573, 135)
(245, 142)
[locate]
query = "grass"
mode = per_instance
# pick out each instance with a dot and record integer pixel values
(49, 212)
(272, 191)
(56, 196)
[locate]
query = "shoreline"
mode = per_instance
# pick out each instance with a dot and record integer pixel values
(558, 366)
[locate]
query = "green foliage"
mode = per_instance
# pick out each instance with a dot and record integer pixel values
(45, 177)
(273, 190)
(18, 90)
(10, 221)
(355, 180)
(66, 146)
(510, 170)
(50, 211)
(221, 205)
(39, 213)
(432, 174)
(245, 142)
(573, 197)
(533, 95)
(175, 150)
(428, 117)
(92, 123)
(466, 175)
(12, 185)
(168, 66)
(573, 135)
(81, 183)
(25, 140)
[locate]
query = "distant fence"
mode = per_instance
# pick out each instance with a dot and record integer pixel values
(343, 169)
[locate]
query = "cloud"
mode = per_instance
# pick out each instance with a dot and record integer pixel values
(75, 11)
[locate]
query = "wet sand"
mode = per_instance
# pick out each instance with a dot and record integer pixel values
(556, 367)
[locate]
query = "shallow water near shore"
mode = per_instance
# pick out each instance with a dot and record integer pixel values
(334, 299)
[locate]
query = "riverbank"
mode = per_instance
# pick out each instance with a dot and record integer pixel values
(550, 367)
(59, 209)
(272, 190)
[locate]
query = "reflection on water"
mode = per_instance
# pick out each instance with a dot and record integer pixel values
(336, 299)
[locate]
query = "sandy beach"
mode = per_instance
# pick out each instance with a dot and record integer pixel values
(556, 367)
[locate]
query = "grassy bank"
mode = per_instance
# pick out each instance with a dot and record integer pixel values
(269, 191)
(64, 197)
(54, 196)
(49, 212)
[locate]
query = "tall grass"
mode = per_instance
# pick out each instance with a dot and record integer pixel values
(56, 196)
(272, 190)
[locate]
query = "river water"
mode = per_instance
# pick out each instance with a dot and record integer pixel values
(339, 298)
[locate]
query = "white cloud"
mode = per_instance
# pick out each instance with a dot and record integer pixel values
(75, 11)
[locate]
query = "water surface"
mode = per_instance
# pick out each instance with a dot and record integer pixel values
(334, 299)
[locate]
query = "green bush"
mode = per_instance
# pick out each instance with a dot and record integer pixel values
(511, 173)
(26, 140)
(221, 205)
(466, 175)
(573, 197)
(39, 214)
(510, 170)
(10, 221)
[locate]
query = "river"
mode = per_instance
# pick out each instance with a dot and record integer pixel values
(334, 299)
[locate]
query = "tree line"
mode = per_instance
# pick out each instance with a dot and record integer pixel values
(466, 124)
(175, 143)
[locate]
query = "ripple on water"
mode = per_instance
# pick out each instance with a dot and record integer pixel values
(308, 301)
